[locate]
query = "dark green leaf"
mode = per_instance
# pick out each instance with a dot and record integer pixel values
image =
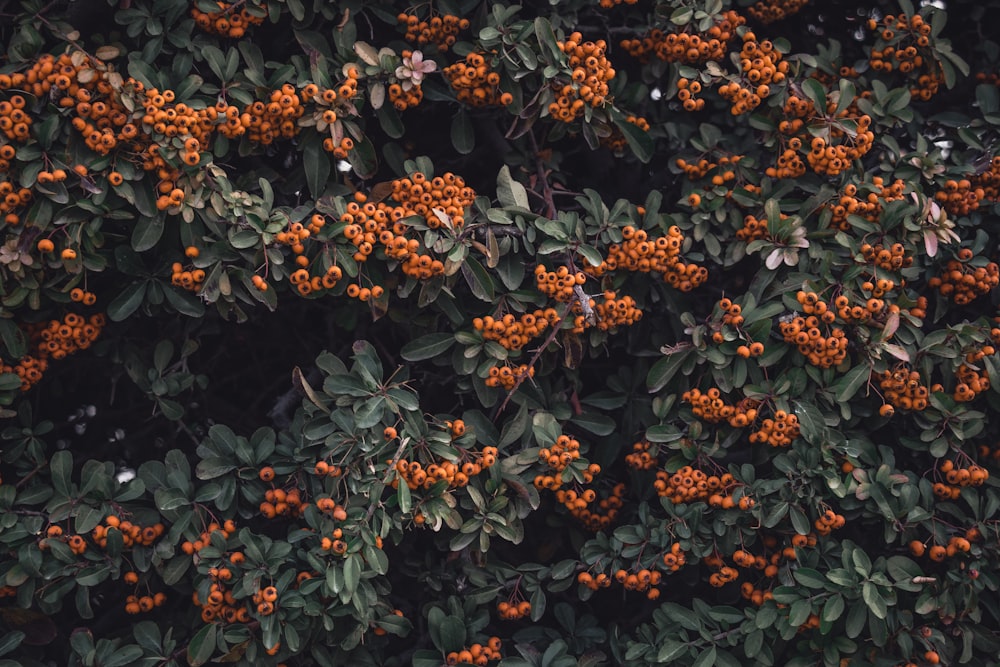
(427, 346)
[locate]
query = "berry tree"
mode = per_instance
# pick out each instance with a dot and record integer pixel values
(589, 332)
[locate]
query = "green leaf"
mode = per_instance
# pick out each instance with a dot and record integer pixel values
(403, 497)
(13, 339)
(316, 163)
(873, 598)
(463, 136)
(511, 193)
(670, 649)
(202, 645)
(478, 279)
(452, 633)
(856, 618)
(809, 577)
(638, 139)
(427, 346)
(352, 573)
(124, 655)
(127, 302)
(183, 301)
(814, 90)
(595, 423)
(147, 232)
(664, 369)
(706, 658)
(833, 609)
(61, 466)
(10, 641)
(9, 382)
(847, 386)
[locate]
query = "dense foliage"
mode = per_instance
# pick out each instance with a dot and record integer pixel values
(571, 333)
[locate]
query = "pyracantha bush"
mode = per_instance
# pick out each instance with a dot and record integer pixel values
(462, 332)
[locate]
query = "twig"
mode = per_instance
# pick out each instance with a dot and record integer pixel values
(403, 442)
(543, 179)
(538, 353)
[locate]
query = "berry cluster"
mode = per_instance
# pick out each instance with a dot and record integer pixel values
(476, 654)
(753, 228)
(266, 600)
(963, 281)
(513, 610)
(455, 475)
(15, 122)
(439, 29)
(616, 312)
(591, 72)
(960, 197)
(939, 553)
(135, 604)
(675, 558)
(789, 163)
(594, 582)
(641, 458)
(189, 279)
(703, 167)
(689, 485)
(989, 180)
(616, 141)
(712, 408)
(55, 339)
(760, 66)
(12, 198)
(564, 451)
(972, 380)
(902, 389)
(777, 432)
(433, 198)
(956, 478)
(560, 284)
(607, 508)
(220, 605)
(867, 205)
(826, 158)
(903, 46)
(723, 576)
(204, 539)
(226, 22)
(276, 118)
(639, 252)
(687, 92)
(687, 47)
(407, 94)
(642, 581)
(769, 11)
(278, 502)
(324, 468)
(828, 521)
(507, 376)
(824, 351)
(514, 333)
(476, 83)
(76, 543)
(768, 564)
(892, 258)
(132, 534)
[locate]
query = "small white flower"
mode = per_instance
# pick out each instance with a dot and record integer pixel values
(13, 258)
(411, 72)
